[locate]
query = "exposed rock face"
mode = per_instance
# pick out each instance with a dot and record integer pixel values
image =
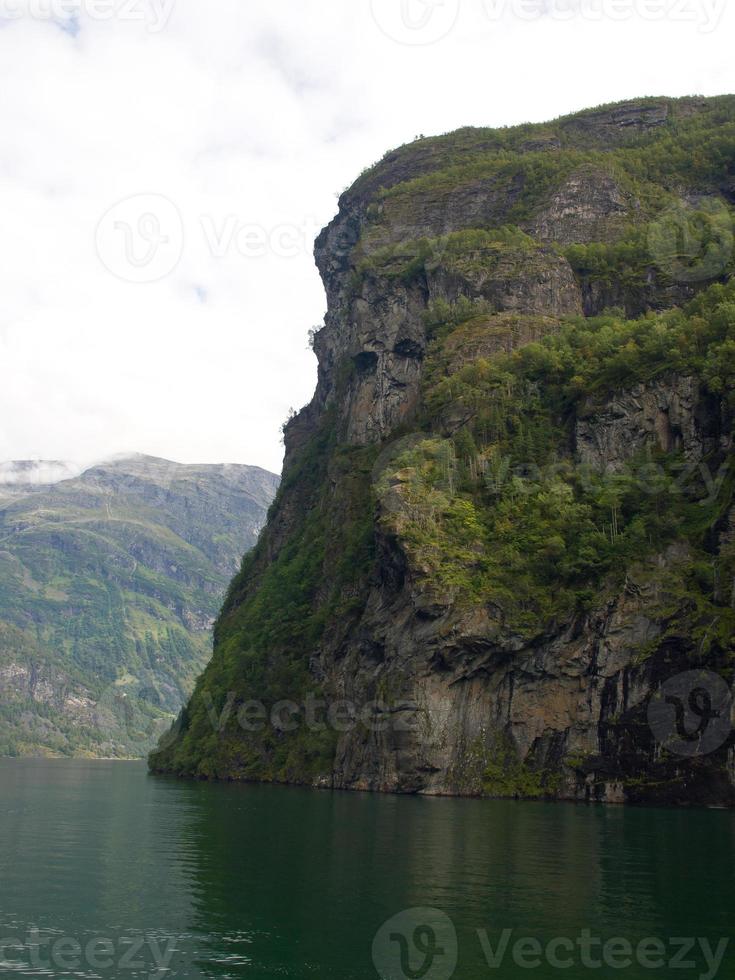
(44, 686)
(485, 336)
(384, 345)
(589, 207)
(468, 686)
(535, 281)
(670, 414)
(435, 212)
(651, 292)
(385, 338)
(605, 126)
(426, 290)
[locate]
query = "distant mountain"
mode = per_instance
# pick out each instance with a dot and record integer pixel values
(110, 580)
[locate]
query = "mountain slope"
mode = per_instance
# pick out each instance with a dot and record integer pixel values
(503, 550)
(109, 583)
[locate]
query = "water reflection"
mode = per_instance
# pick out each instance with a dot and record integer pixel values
(263, 882)
(309, 878)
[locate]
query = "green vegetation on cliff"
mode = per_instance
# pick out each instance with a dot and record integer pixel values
(265, 634)
(675, 143)
(487, 477)
(494, 508)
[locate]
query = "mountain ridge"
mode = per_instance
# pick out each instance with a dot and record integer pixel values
(110, 582)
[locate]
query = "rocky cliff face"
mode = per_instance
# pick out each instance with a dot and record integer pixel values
(502, 552)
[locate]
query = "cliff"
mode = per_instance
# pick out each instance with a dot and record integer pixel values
(111, 580)
(501, 560)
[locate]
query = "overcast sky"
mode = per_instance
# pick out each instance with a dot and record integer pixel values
(166, 165)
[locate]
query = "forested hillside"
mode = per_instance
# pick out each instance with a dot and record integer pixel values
(109, 583)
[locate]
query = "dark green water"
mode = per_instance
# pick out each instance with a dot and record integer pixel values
(260, 882)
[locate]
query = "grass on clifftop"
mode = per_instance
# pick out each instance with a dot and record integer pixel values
(667, 155)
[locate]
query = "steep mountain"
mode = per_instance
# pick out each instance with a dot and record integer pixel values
(109, 583)
(502, 557)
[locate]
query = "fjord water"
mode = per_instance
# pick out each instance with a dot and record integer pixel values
(269, 882)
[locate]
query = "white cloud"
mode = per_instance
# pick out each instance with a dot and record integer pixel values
(249, 117)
